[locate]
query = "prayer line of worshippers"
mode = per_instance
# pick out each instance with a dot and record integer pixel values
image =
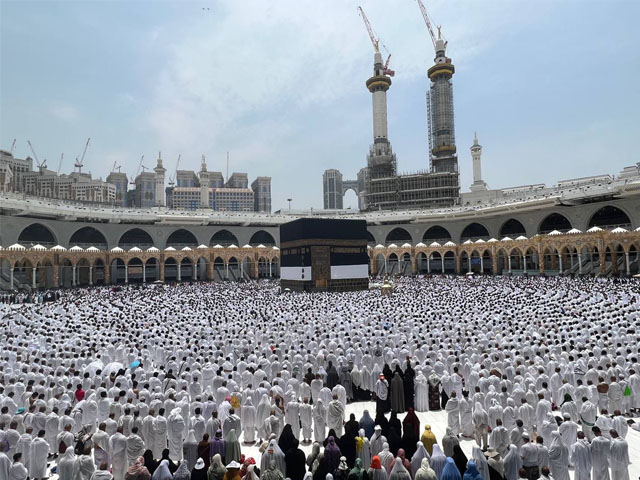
(170, 382)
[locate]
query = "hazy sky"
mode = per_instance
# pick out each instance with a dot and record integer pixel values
(552, 87)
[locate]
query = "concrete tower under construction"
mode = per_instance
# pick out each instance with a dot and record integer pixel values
(440, 118)
(381, 159)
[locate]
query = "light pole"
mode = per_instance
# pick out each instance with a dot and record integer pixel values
(289, 200)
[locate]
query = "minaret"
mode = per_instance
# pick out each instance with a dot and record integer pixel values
(204, 184)
(476, 152)
(381, 160)
(442, 141)
(160, 171)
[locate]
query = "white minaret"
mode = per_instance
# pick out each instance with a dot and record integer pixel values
(160, 171)
(204, 184)
(378, 89)
(476, 152)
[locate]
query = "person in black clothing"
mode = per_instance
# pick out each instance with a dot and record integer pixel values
(332, 376)
(394, 422)
(172, 466)
(322, 470)
(382, 421)
(388, 374)
(347, 444)
(287, 440)
(309, 376)
(352, 425)
(295, 462)
(332, 433)
(409, 441)
(394, 440)
(149, 463)
(409, 387)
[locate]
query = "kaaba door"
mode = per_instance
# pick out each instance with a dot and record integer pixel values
(321, 266)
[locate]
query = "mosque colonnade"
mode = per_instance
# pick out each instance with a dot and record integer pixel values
(599, 252)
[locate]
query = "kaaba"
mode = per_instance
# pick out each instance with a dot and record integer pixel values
(324, 255)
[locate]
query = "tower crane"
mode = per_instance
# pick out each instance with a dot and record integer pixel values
(60, 162)
(427, 20)
(172, 180)
(41, 165)
(13, 145)
(80, 163)
(375, 41)
(133, 180)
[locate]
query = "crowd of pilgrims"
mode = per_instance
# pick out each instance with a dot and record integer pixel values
(175, 382)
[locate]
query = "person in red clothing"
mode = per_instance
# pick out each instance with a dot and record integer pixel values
(79, 393)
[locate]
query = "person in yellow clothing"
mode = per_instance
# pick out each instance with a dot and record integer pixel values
(428, 439)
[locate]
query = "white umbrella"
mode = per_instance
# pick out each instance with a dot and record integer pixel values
(93, 367)
(112, 367)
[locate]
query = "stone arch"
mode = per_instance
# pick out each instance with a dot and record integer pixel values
(421, 262)
(65, 273)
(201, 268)
(45, 274)
(152, 269)
(186, 269)
(219, 269)
(118, 270)
(246, 267)
(225, 238)
(554, 221)
(170, 269)
(233, 269)
(98, 272)
(381, 264)
(610, 217)
(371, 240)
(502, 262)
(37, 233)
(449, 260)
(263, 267)
(136, 237)
(398, 236)
(258, 238)
(512, 228)
(436, 233)
(181, 238)
(88, 237)
(474, 231)
(82, 272)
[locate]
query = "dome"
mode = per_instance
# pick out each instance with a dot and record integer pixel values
(93, 249)
(434, 244)
(153, 249)
(76, 248)
(135, 249)
(117, 250)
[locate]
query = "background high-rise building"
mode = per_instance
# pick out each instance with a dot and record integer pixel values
(261, 187)
(332, 189)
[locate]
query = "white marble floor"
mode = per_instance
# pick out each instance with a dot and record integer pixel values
(438, 422)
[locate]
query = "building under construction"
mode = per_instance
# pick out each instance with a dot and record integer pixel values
(379, 187)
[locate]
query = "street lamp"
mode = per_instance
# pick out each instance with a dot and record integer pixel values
(289, 200)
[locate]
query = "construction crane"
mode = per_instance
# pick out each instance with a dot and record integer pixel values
(60, 162)
(116, 167)
(375, 41)
(41, 165)
(427, 20)
(13, 145)
(80, 163)
(133, 180)
(172, 180)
